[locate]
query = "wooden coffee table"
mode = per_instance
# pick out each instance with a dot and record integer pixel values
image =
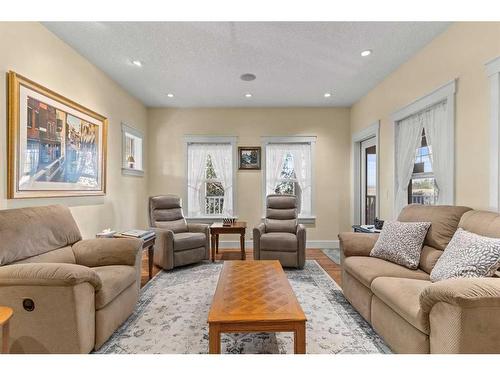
(5, 315)
(255, 296)
(217, 229)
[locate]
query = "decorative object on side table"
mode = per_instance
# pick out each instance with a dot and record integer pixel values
(5, 315)
(56, 147)
(378, 223)
(249, 158)
(365, 229)
(216, 229)
(132, 151)
(228, 221)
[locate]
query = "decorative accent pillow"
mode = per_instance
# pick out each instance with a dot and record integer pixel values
(401, 243)
(468, 255)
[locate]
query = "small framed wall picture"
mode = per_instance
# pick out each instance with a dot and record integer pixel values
(132, 151)
(249, 158)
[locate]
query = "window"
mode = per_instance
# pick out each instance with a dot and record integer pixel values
(210, 175)
(424, 145)
(288, 170)
(132, 151)
(422, 188)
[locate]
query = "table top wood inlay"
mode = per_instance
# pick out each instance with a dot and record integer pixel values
(254, 291)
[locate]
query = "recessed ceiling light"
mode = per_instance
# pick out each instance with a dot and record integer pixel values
(367, 52)
(137, 63)
(170, 95)
(327, 94)
(248, 95)
(248, 77)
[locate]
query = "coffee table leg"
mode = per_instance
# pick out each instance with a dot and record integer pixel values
(242, 245)
(5, 338)
(213, 339)
(300, 338)
(213, 247)
(150, 261)
(216, 244)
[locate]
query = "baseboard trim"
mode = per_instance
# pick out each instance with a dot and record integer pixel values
(311, 244)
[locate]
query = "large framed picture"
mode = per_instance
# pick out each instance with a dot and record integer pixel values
(249, 158)
(56, 147)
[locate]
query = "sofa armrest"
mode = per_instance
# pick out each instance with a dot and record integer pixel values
(164, 248)
(107, 251)
(48, 274)
(258, 231)
(301, 239)
(463, 292)
(357, 244)
(198, 228)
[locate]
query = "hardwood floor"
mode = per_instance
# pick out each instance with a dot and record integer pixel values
(328, 265)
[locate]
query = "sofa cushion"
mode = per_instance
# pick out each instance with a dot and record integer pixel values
(403, 296)
(115, 279)
(401, 243)
(428, 258)
(276, 241)
(189, 240)
(484, 223)
(165, 211)
(31, 231)
(444, 221)
(289, 226)
(468, 255)
(367, 269)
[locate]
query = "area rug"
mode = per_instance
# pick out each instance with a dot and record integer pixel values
(171, 317)
(333, 254)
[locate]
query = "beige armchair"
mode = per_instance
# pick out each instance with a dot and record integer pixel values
(280, 237)
(177, 243)
(69, 295)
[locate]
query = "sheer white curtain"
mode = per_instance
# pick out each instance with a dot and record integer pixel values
(275, 158)
(438, 137)
(408, 137)
(301, 154)
(222, 160)
(197, 161)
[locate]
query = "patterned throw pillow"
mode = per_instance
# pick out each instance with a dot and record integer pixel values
(401, 243)
(468, 255)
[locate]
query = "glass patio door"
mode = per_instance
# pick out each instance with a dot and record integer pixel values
(368, 202)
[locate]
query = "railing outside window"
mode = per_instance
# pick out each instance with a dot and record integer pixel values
(214, 205)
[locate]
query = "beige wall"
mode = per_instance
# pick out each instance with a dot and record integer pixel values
(32, 51)
(460, 52)
(167, 128)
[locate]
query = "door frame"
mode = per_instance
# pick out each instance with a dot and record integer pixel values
(370, 142)
(372, 131)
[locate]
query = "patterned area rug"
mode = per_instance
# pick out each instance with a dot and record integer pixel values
(333, 254)
(171, 317)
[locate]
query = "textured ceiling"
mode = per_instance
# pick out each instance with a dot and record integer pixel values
(201, 62)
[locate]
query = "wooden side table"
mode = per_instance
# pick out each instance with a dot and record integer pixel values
(5, 315)
(217, 229)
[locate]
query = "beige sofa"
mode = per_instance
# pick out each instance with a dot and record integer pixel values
(69, 295)
(280, 237)
(412, 314)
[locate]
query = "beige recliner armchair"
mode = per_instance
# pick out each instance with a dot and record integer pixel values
(177, 243)
(69, 295)
(280, 237)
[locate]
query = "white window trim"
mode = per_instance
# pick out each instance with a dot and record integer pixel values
(190, 139)
(373, 131)
(443, 93)
(310, 219)
(493, 72)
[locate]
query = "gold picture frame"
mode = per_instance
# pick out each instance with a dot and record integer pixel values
(56, 147)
